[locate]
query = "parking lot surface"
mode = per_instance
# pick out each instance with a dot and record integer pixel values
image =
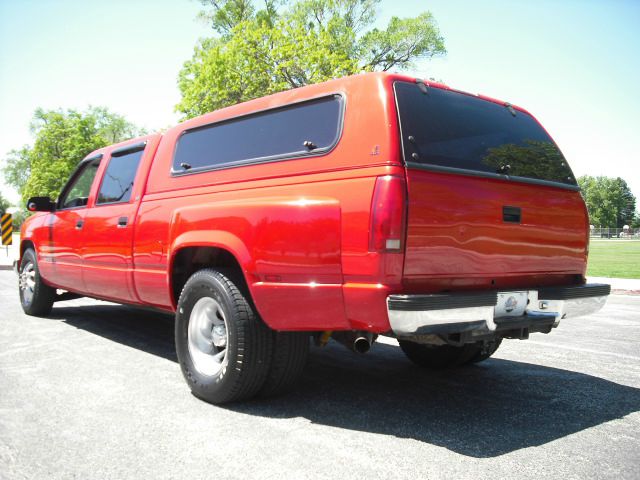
(95, 392)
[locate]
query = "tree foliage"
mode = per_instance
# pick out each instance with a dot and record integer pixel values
(18, 218)
(533, 159)
(4, 204)
(288, 44)
(609, 201)
(62, 139)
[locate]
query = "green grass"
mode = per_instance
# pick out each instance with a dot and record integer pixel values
(614, 258)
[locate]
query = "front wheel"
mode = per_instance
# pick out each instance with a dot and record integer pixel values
(36, 297)
(223, 347)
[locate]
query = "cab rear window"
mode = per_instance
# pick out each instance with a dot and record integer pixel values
(449, 129)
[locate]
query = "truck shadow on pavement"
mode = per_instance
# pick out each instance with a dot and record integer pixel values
(146, 330)
(480, 411)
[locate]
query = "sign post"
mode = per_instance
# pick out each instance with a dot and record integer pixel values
(6, 223)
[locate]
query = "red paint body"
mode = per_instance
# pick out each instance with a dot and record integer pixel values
(300, 228)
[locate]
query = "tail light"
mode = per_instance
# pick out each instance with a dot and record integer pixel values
(386, 233)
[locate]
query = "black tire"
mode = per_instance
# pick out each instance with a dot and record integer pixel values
(248, 342)
(486, 350)
(36, 297)
(290, 353)
(438, 356)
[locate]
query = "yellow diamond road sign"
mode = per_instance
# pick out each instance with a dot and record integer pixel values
(7, 229)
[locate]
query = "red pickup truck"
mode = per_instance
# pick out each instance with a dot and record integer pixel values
(376, 204)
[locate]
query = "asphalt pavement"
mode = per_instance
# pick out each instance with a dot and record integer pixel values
(95, 392)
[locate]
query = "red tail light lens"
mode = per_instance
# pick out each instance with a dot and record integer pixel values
(388, 215)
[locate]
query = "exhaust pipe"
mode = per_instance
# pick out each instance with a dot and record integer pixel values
(359, 342)
(362, 343)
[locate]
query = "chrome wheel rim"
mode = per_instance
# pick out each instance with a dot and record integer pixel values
(207, 337)
(27, 281)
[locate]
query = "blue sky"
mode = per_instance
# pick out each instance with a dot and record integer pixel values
(573, 63)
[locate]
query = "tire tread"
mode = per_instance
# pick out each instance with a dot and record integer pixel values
(290, 353)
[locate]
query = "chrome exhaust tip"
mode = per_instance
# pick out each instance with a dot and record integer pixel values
(356, 341)
(362, 344)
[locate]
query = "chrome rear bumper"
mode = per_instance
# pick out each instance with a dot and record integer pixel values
(538, 309)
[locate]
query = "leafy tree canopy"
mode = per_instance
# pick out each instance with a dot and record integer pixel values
(287, 44)
(4, 204)
(62, 139)
(533, 159)
(609, 201)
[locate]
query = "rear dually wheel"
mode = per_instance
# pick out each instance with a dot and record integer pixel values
(447, 356)
(223, 347)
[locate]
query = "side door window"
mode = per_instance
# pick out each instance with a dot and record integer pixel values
(118, 179)
(76, 193)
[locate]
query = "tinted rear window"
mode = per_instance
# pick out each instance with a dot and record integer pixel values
(451, 129)
(263, 136)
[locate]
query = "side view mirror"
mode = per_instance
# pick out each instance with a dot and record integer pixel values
(41, 204)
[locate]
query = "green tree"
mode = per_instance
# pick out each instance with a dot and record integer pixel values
(4, 204)
(62, 139)
(288, 44)
(533, 159)
(19, 216)
(17, 167)
(609, 200)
